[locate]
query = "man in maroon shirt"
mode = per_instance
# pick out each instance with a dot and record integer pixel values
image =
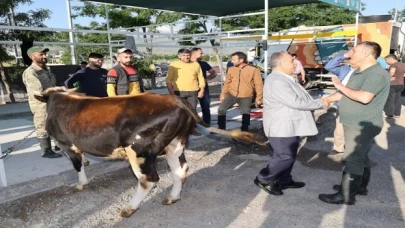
(397, 70)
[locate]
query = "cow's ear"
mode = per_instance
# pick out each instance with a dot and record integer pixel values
(40, 97)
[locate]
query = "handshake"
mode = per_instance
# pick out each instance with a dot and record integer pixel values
(325, 101)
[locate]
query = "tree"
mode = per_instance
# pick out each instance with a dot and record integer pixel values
(400, 14)
(30, 19)
(127, 17)
(281, 18)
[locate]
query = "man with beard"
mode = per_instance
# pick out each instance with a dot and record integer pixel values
(92, 79)
(185, 79)
(124, 79)
(362, 101)
(196, 56)
(241, 82)
(38, 78)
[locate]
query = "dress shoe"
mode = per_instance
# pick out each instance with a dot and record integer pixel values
(292, 184)
(270, 187)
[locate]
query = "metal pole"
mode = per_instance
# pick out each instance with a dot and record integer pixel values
(71, 38)
(108, 33)
(357, 28)
(266, 35)
(220, 52)
(3, 179)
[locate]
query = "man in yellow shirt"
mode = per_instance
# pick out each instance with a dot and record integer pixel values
(185, 78)
(123, 78)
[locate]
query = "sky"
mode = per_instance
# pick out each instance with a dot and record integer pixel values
(59, 17)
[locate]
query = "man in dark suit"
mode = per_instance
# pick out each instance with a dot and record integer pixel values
(286, 117)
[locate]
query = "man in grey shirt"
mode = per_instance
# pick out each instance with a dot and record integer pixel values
(361, 113)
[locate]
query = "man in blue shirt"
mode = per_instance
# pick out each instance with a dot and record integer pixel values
(340, 68)
(196, 56)
(382, 63)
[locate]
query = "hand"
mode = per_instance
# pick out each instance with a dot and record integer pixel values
(336, 82)
(221, 98)
(258, 104)
(325, 101)
(303, 80)
(201, 93)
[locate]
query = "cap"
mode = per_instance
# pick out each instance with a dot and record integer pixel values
(34, 49)
(121, 50)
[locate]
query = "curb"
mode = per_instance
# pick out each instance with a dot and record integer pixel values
(15, 115)
(65, 178)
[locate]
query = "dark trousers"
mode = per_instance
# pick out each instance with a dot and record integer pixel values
(393, 104)
(244, 104)
(358, 142)
(190, 96)
(205, 105)
(280, 165)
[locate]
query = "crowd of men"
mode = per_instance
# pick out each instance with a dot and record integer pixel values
(365, 90)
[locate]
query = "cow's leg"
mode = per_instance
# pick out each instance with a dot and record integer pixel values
(178, 166)
(75, 156)
(145, 171)
(85, 162)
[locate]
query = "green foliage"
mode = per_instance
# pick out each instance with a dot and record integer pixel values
(281, 18)
(142, 65)
(400, 14)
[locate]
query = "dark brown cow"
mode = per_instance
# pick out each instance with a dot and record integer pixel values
(135, 128)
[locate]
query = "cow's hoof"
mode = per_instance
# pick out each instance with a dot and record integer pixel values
(81, 187)
(126, 212)
(168, 201)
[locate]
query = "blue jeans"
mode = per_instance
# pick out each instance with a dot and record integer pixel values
(205, 105)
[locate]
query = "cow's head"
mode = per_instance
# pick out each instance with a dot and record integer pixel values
(44, 96)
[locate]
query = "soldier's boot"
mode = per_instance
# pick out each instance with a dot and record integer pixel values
(47, 152)
(245, 122)
(222, 122)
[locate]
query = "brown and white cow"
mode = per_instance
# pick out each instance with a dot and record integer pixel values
(135, 128)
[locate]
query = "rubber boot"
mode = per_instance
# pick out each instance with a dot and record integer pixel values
(245, 122)
(47, 152)
(347, 192)
(364, 182)
(222, 122)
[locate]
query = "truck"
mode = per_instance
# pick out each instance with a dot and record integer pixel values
(316, 45)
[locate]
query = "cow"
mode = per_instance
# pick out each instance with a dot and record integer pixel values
(135, 128)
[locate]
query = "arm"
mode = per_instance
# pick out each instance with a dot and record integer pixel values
(373, 86)
(112, 83)
(201, 82)
(170, 78)
(258, 81)
(32, 83)
(392, 73)
(211, 72)
(303, 75)
(69, 83)
(227, 83)
(334, 65)
(284, 93)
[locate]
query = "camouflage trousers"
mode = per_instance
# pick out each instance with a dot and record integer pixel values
(39, 123)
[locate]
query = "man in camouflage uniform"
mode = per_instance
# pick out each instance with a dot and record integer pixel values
(38, 78)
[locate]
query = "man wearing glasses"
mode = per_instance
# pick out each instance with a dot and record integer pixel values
(92, 79)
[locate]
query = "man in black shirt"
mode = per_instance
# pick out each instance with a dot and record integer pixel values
(196, 56)
(92, 78)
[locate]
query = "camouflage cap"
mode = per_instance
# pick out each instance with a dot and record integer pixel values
(35, 49)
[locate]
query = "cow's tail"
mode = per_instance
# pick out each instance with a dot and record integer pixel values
(243, 136)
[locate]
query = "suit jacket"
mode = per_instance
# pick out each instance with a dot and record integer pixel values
(287, 108)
